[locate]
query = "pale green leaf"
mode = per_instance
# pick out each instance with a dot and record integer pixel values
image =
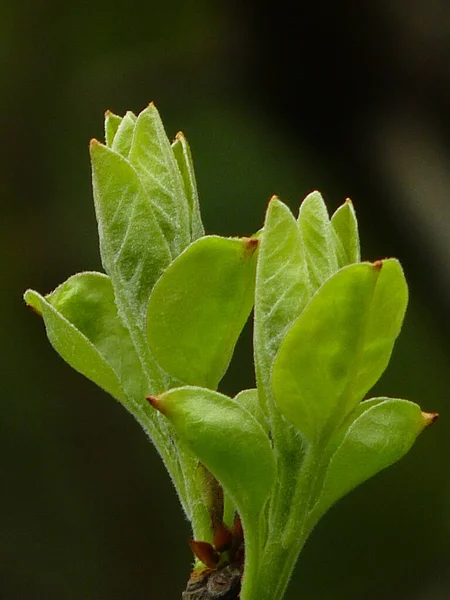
(199, 307)
(183, 156)
(249, 400)
(382, 432)
(318, 241)
(339, 346)
(133, 249)
(85, 355)
(282, 285)
(346, 237)
(112, 123)
(124, 135)
(152, 157)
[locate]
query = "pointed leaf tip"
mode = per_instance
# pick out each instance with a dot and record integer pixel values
(205, 552)
(156, 403)
(429, 418)
(377, 265)
(32, 301)
(250, 245)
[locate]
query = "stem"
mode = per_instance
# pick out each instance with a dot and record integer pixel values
(290, 525)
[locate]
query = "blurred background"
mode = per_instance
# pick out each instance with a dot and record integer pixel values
(351, 98)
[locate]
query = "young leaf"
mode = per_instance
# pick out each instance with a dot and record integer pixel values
(352, 323)
(84, 327)
(282, 285)
(112, 123)
(86, 338)
(183, 156)
(234, 447)
(346, 237)
(124, 135)
(249, 400)
(152, 157)
(133, 248)
(317, 235)
(199, 306)
(378, 437)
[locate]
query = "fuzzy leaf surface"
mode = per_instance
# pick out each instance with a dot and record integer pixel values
(318, 240)
(378, 437)
(282, 285)
(83, 326)
(346, 237)
(351, 323)
(183, 156)
(123, 137)
(132, 245)
(249, 400)
(112, 123)
(152, 157)
(199, 306)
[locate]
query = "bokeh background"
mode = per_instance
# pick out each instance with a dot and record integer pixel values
(350, 97)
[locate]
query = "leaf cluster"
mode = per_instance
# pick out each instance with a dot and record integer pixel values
(163, 320)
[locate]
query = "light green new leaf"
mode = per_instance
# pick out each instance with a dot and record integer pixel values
(234, 447)
(133, 249)
(199, 306)
(83, 326)
(318, 240)
(382, 432)
(152, 157)
(282, 285)
(249, 400)
(124, 135)
(346, 238)
(112, 123)
(351, 324)
(183, 156)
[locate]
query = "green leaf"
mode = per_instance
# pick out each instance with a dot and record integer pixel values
(199, 307)
(82, 325)
(249, 400)
(183, 156)
(112, 123)
(234, 447)
(381, 433)
(318, 240)
(339, 346)
(124, 135)
(282, 286)
(346, 237)
(152, 157)
(133, 249)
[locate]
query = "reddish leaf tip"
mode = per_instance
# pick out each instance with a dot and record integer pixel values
(348, 202)
(377, 265)
(34, 309)
(156, 403)
(108, 113)
(94, 143)
(205, 552)
(180, 136)
(430, 418)
(250, 245)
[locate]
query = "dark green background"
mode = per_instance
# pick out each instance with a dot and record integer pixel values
(272, 101)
